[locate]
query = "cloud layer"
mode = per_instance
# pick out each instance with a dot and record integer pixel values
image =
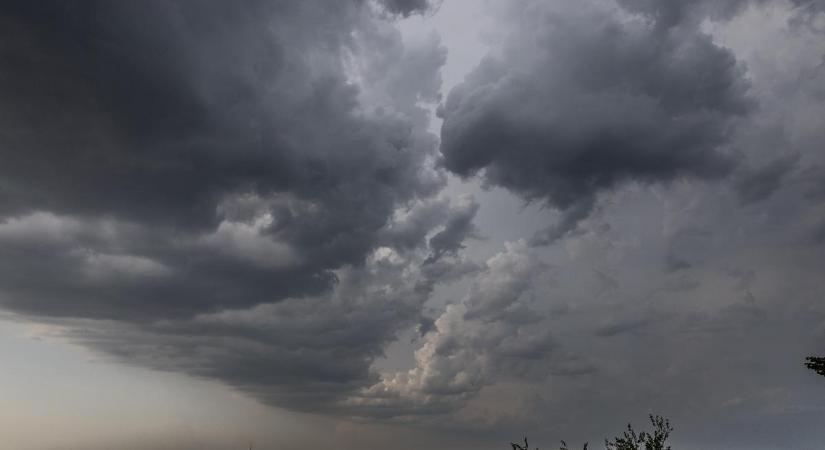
(251, 193)
(580, 99)
(224, 147)
(232, 192)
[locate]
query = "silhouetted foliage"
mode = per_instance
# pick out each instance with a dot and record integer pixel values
(816, 363)
(644, 440)
(519, 447)
(630, 440)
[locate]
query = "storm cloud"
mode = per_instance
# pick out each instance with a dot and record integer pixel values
(406, 7)
(576, 102)
(623, 212)
(175, 172)
(492, 335)
(223, 146)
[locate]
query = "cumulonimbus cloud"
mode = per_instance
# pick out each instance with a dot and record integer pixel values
(228, 183)
(577, 101)
(190, 132)
(248, 193)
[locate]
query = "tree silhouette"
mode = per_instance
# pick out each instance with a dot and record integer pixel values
(644, 440)
(519, 447)
(816, 363)
(630, 440)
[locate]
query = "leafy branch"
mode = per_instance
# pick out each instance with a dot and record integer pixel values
(631, 440)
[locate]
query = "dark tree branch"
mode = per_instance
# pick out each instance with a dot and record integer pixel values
(816, 363)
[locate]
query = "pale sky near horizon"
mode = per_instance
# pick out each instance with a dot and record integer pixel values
(225, 224)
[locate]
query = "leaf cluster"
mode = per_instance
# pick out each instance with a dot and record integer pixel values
(631, 440)
(815, 363)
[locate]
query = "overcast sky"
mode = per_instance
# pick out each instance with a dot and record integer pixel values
(369, 224)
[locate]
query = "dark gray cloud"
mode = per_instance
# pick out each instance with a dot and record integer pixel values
(406, 7)
(246, 194)
(62, 266)
(671, 13)
(757, 184)
(686, 248)
(237, 192)
(456, 230)
(303, 354)
(573, 214)
(568, 108)
(194, 133)
(618, 327)
(313, 353)
(494, 334)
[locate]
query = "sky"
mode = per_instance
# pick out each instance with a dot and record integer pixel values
(407, 224)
